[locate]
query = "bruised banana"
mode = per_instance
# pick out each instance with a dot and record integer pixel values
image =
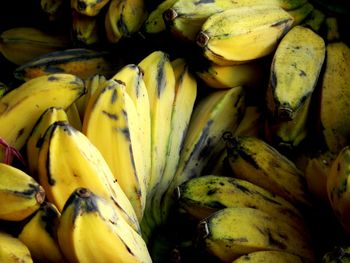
(80, 62)
(68, 160)
(208, 123)
(91, 230)
(233, 232)
(269, 256)
(85, 29)
(202, 196)
(186, 17)
(124, 18)
(22, 107)
(20, 194)
(39, 235)
(243, 34)
(88, 7)
(19, 45)
(13, 250)
(254, 160)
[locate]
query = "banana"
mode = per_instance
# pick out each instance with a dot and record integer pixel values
(113, 127)
(124, 18)
(85, 29)
(53, 8)
(200, 197)
(68, 160)
(22, 107)
(269, 256)
(91, 230)
(20, 45)
(243, 34)
(314, 20)
(74, 116)
(203, 139)
(20, 194)
(254, 160)
(88, 7)
(301, 13)
(81, 62)
(335, 131)
(39, 234)
(49, 116)
(338, 254)
(186, 17)
(252, 122)
(332, 31)
(12, 250)
(233, 232)
(3, 89)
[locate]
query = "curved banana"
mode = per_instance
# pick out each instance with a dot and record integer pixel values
(301, 13)
(22, 107)
(12, 250)
(91, 230)
(269, 256)
(314, 20)
(88, 7)
(85, 29)
(20, 194)
(39, 235)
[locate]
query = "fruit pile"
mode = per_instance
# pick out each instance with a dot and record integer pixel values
(175, 131)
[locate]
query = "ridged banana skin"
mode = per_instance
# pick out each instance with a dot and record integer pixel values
(91, 230)
(68, 160)
(20, 194)
(19, 45)
(113, 127)
(233, 232)
(243, 34)
(301, 13)
(22, 107)
(80, 62)
(39, 235)
(88, 7)
(85, 29)
(124, 18)
(49, 116)
(314, 20)
(207, 194)
(256, 161)
(207, 125)
(334, 83)
(12, 250)
(269, 256)
(295, 69)
(185, 96)
(338, 188)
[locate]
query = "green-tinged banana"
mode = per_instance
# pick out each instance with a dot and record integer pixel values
(269, 256)
(314, 20)
(53, 8)
(254, 160)
(334, 113)
(39, 235)
(19, 45)
(252, 122)
(68, 160)
(22, 107)
(207, 194)
(339, 254)
(332, 30)
(124, 18)
(114, 128)
(81, 62)
(33, 144)
(338, 187)
(216, 76)
(91, 230)
(301, 13)
(154, 22)
(20, 194)
(242, 34)
(208, 123)
(85, 29)
(233, 232)
(186, 17)
(12, 250)
(185, 96)
(88, 7)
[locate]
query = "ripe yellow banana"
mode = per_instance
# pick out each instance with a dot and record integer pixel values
(233, 232)
(269, 256)
(20, 194)
(12, 250)
(68, 160)
(254, 160)
(19, 45)
(39, 235)
(81, 62)
(85, 29)
(301, 13)
(242, 34)
(88, 7)
(314, 20)
(124, 18)
(22, 107)
(91, 230)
